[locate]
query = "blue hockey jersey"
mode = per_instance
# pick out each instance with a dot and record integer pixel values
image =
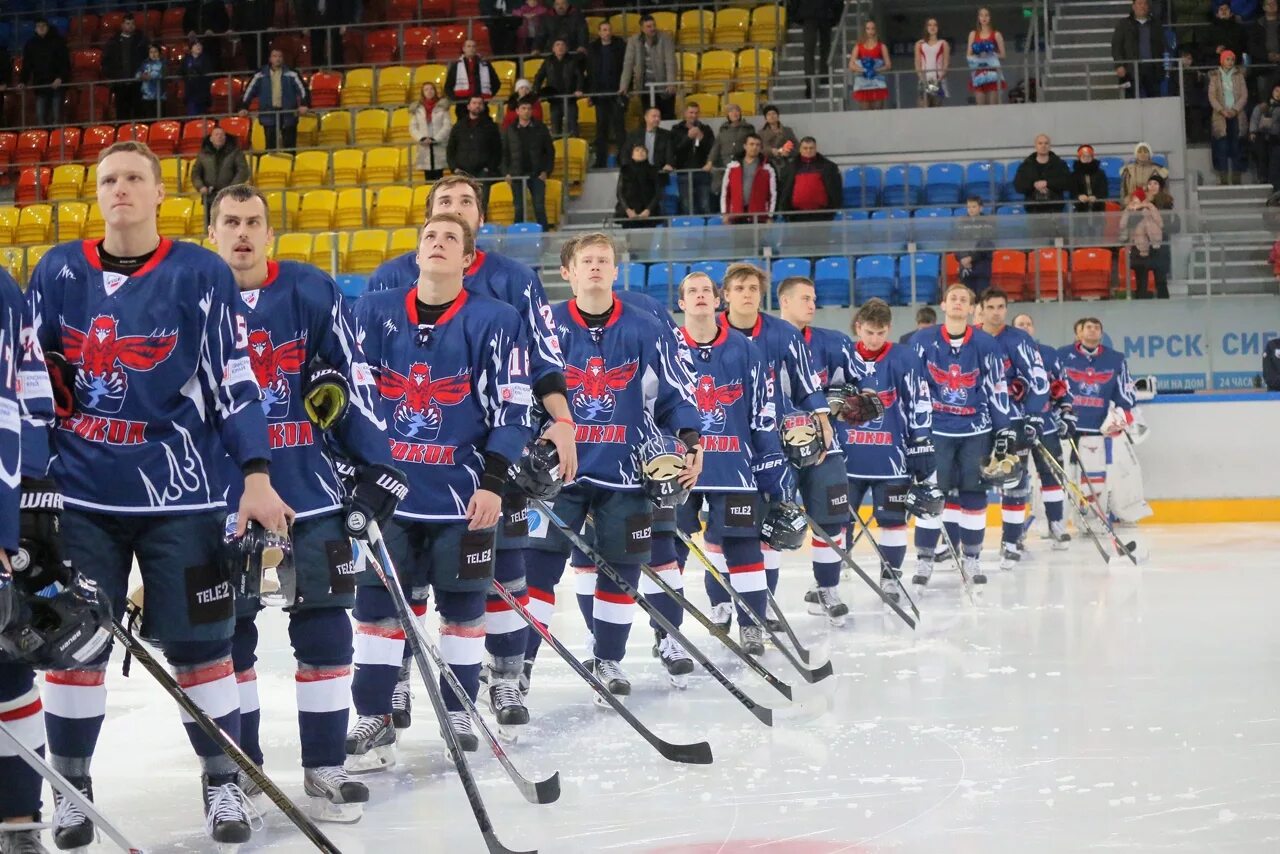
(620, 376)
(1096, 381)
(1059, 391)
(1022, 362)
(831, 356)
(877, 449)
(796, 384)
(735, 402)
(966, 383)
(164, 389)
(295, 317)
(450, 392)
(501, 278)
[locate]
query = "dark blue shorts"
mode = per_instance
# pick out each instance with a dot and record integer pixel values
(825, 491)
(729, 514)
(960, 460)
(444, 555)
(623, 522)
(888, 497)
(513, 527)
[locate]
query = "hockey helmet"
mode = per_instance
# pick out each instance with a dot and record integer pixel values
(924, 499)
(662, 461)
(261, 563)
(537, 472)
(801, 439)
(784, 527)
(1002, 470)
(63, 627)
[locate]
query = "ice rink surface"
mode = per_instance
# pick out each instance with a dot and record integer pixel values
(1076, 707)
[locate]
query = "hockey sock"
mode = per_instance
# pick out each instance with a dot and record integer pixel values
(504, 629)
(952, 517)
(461, 641)
(203, 669)
(613, 613)
(543, 570)
(893, 540)
(682, 551)
(663, 561)
(321, 641)
(584, 584)
(746, 573)
(75, 703)
(1052, 496)
(244, 645)
(379, 651)
(928, 533)
(20, 711)
(1013, 510)
(715, 592)
(973, 522)
(826, 563)
(772, 564)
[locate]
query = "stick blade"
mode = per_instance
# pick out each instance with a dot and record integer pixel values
(496, 847)
(690, 754)
(547, 791)
(819, 673)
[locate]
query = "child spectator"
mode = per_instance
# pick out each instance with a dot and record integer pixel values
(152, 76)
(974, 231)
(639, 190)
(197, 82)
(532, 17)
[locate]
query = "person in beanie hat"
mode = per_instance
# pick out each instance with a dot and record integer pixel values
(523, 91)
(1136, 172)
(1229, 98)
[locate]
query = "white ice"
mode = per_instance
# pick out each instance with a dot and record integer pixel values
(1075, 707)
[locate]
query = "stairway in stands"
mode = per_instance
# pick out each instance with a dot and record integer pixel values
(1236, 261)
(1079, 64)
(788, 84)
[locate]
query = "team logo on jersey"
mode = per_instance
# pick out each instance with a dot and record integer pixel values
(105, 356)
(1089, 381)
(953, 383)
(594, 387)
(419, 414)
(712, 400)
(271, 364)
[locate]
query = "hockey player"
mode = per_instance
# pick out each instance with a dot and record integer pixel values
(1103, 396)
(885, 456)
(452, 370)
(623, 378)
(797, 389)
(1059, 407)
(964, 368)
(1028, 400)
(303, 351)
(158, 389)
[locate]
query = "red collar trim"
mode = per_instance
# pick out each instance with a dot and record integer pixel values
(476, 264)
(807, 332)
(1080, 349)
(581, 321)
(755, 330)
(273, 273)
(722, 335)
(90, 248)
(946, 336)
(869, 356)
(411, 307)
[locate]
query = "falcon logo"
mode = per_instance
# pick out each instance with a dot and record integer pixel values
(594, 387)
(270, 365)
(419, 414)
(104, 357)
(953, 384)
(712, 400)
(1089, 381)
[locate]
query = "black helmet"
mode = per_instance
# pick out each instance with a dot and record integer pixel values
(923, 499)
(261, 563)
(1002, 470)
(63, 631)
(801, 439)
(662, 461)
(537, 473)
(784, 527)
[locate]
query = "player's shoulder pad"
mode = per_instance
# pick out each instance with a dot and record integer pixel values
(493, 308)
(382, 304)
(393, 270)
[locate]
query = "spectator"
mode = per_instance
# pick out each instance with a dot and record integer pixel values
(731, 136)
(282, 97)
(208, 20)
(560, 81)
(46, 63)
(780, 142)
(1271, 354)
(1223, 33)
(151, 73)
(604, 78)
(694, 142)
(1089, 190)
(521, 92)
(1137, 46)
(566, 22)
(750, 185)
(1263, 38)
(251, 19)
(475, 145)
(868, 61)
(500, 17)
(326, 20)
(122, 56)
(1162, 257)
(470, 75)
(933, 58)
(220, 163)
(527, 159)
(197, 82)
(430, 124)
(1043, 179)
(811, 185)
(1138, 170)
(818, 18)
(656, 140)
(6, 77)
(985, 54)
(639, 191)
(532, 17)
(1228, 96)
(649, 68)
(1244, 10)
(1143, 227)
(1264, 136)
(925, 317)
(975, 233)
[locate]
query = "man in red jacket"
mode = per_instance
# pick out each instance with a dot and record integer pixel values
(750, 185)
(811, 189)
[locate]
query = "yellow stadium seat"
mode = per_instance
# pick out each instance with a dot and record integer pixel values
(357, 88)
(68, 181)
(335, 129)
(171, 172)
(494, 112)
(34, 254)
(502, 209)
(555, 201)
(308, 130)
(665, 21)
(175, 215)
(768, 24)
(506, 71)
(697, 27)
(731, 27)
(13, 259)
(717, 69)
(71, 216)
(354, 206)
(89, 191)
(348, 163)
(708, 105)
(594, 22)
(273, 171)
(431, 73)
(399, 129)
(393, 84)
(326, 247)
(258, 136)
(8, 224)
(687, 66)
(402, 165)
(748, 102)
(391, 208)
(577, 158)
(95, 227)
(310, 169)
(530, 68)
(382, 164)
(624, 24)
(586, 118)
(755, 67)
(294, 247)
(403, 240)
(35, 224)
(371, 127)
(284, 207)
(317, 210)
(368, 250)
(418, 210)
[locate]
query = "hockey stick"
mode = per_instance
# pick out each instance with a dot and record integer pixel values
(955, 556)
(801, 649)
(64, 787)
(413, 633)
(764, 714)
(851, 564)
(1121, 547)
(543, 791)
(810, 676)
(691, 754)
(1078, 500)
(884, 562)
(224, 742)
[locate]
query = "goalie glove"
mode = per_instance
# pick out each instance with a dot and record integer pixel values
(376, 493)
(325, 395)
(1116, 422)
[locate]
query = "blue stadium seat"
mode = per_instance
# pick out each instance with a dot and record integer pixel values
(873, 276)
(944, 184)
(523, 242)
(784, 268)
(862, 186)
(903, 186)
(853, 216)
(931, 227)
(891, 234)
(1011, 223)
(713, 269)
(928, 268)
(1160, 160)
(1111, 167)
(631, 277)
(663, 278)
(687, 236)
(352, 286)
(488, 238)
(1010, 172)
(831, 281)
(984, 179)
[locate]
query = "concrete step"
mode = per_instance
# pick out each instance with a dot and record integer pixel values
(1059, 94)
(1103, 9)
(1235, 194)
(1080, 36)
(1232, 287)
(1096, 56)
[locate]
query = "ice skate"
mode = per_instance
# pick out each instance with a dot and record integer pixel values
(825, 602)
(610, 673)
(334, 795)
(1010, 556)
(21, 842)
(722, 616)
(228, 815)
(72, 829)
(973, 568)
(677, 662)
(464, 731)
(506, 702)
(751, 639)
(772, 620)
(402, 701)
(1060, 539)
(890, 582)
(923, 571)
(371, 744)
(252, 791)
(526, 676)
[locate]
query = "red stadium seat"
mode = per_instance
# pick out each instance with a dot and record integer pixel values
(480, 32)
(291, 45)
(1044, 266)
(240, 128)
(64, 145)
(86, 64)
(163, 138)
(32, 145)
(227, 93)
(1009, 272)
(151, 22)
(8, 144)
(449, 41)
(109, 25)
(1091, 273)
(33, 185)
(403, 10)
(82, 30)
(417, 45)
(326, 88)
(193, 134)
(94, 140)
(380, 46)
(139, 132)
(171, 25)
(437, 10)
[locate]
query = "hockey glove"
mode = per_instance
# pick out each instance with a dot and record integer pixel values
(1006, 441)
(1067, 422)
(325, 396)
(62, 379)
(377, 491)
(775, 480)
(920, 460)
(39, 561)
(1032, 430)
(859, 407)
(1017, 389)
